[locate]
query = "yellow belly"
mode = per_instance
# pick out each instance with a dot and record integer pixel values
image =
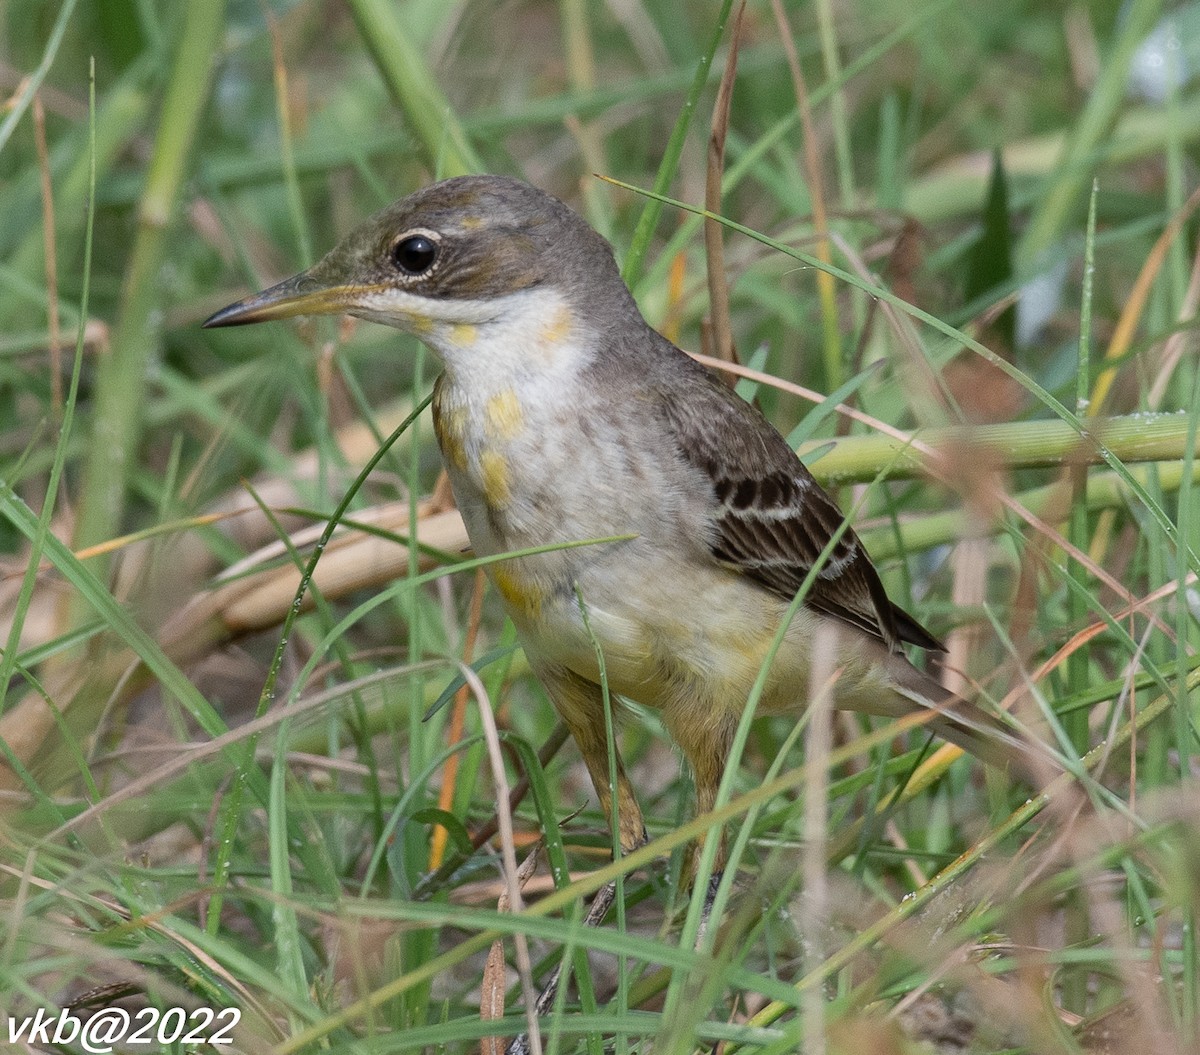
(676, 637)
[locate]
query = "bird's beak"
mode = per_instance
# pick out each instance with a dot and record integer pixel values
(301, 294)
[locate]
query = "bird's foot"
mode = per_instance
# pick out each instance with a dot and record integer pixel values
(710, 897)
(598, 909)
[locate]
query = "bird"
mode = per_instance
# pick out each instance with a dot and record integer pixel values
(562, 416)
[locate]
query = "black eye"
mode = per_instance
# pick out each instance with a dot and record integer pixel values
(415, 254)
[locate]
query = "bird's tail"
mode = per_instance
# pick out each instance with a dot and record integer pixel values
(962, 722)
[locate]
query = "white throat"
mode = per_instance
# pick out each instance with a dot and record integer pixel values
(531, 337)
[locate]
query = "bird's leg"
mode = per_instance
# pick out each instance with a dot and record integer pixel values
(706, 774)
(607, 894)
(581, 707)
(706, 745)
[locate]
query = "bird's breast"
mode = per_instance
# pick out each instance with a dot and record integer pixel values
(550, 471)
(485, 440)
(478, 444)
(507, 465)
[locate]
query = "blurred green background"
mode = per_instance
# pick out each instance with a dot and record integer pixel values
(154, 840)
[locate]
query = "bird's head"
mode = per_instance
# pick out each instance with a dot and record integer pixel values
(465, 252)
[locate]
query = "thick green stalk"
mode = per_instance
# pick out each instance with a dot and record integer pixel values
(119, 387)
(414, 87)
(1019, 444)
(1105, 491)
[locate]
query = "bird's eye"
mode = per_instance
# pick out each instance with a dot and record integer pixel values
(415, 254)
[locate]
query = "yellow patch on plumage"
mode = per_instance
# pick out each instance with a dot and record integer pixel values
(519, 594)
(497, 484)
(463, 334)
(422, 325)
(471, 223)
(504, 417)
(450, 425)
(558, 329)
(455, 452)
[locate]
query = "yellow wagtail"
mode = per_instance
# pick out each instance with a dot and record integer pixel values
(561, 416)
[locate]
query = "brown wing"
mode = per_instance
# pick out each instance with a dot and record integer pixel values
(774, 520)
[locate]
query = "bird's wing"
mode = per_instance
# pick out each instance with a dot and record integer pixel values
(772, 519)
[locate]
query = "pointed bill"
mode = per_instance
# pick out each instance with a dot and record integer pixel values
(301, 294)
